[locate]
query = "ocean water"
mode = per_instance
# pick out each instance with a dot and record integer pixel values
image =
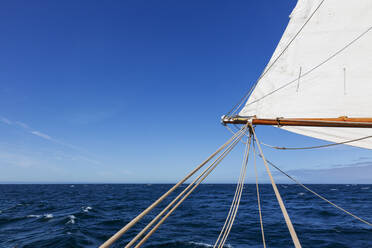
(85, 215)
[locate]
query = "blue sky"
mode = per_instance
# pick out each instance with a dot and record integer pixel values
(133, 91)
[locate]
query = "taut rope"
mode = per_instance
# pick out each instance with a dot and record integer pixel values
(321, 197)
(236, 200)
(268, 67)
(315, 67)
(117, 235)
(306, 147)
(277, 194)
(184, 191)
(143, 240)
(315, 147)
(258, 197)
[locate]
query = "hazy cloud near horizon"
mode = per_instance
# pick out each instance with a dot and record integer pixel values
(358, 173)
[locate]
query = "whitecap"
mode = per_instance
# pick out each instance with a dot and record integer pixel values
(334, 189)
(364, 188)
(200, 244)
(48, 216)
(71, 219)
(206, 245)
(34, 216)
(301, 193)
(86, 209)
(71, 186)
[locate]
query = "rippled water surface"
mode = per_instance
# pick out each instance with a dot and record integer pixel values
(86, 215)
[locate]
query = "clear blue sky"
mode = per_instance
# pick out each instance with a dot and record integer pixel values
(133, 91)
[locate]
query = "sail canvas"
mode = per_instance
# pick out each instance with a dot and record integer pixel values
(321, 68)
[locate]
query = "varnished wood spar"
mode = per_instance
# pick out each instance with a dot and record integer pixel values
(342, 121)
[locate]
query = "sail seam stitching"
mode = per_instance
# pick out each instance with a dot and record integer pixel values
(312, 69)
(267, 68)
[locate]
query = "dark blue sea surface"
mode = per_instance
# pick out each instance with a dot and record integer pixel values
(85, 215)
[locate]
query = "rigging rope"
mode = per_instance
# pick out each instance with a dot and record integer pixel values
(183, 192)
(239, 104)
(236, 200)
(217, 161)
(258, 197)
(306, 147)
(314, 68)
(321, 197)
(232, 131)
(277, 194)
(117, 235)
(232, 204)
(315, 147)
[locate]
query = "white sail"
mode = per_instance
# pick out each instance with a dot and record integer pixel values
(326, 71)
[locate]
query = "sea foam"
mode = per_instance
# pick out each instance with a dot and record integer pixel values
(206, 245)
(34, 216)
(71, 219)
(86, 209)
(200, 244)
(48, 216)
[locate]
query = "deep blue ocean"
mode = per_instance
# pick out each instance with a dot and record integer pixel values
(85, 215)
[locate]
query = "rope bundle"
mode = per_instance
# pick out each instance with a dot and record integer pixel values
(236, 200)
(225, 149)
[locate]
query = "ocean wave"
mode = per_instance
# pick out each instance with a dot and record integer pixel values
(42, 219)
(71, 220)
(45, 216)
(185, 244)
(200, 244)
(86, 209)
(48, 216)
(33, 216)
(327, 213)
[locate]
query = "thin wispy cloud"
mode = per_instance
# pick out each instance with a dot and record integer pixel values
(351, 173)
(19, 160)
(26, 127)
(42, 135)
(47, 137)
(93, 161)
(33, 131)
(356, 164)
(5, 120)
(21, 124)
